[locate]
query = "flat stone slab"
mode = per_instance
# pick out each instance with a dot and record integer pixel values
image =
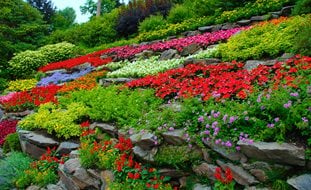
(279, 153)
(175, 137)
(38, 138)
(302, 182)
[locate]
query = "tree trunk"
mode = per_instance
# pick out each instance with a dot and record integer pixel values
(99, 2)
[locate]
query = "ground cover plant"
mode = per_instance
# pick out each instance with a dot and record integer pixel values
(11, 168)
(143, 68)
(269, 39)
(21, 85)
(203, 40)
(20, 101)
(92, 58)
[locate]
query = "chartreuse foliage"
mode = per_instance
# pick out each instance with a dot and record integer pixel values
(111, 104)
(11, 143)
(263, 40)
(56, 120)
(22, 85)
(25, 64)
(11, 168)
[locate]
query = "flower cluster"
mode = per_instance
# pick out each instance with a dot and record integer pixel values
(6, 127)
(60, 77)
(224, 182)
(224, 80)
(19, 101)
(43, 171)
(22, 85)
(93, 58)
(178, 44)
(86, 82)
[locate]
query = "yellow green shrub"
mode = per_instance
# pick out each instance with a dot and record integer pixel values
(22, 85)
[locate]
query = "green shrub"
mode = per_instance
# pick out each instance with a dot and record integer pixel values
(98, 31)
(56, 120)
(179, 13)
(22, 85)
(11, 143)
(11, 168)
(302, 7)
(151, 23)
(25, 64)
(3, 84)
(302, 41)
(201, 8)
(59, 52)
(111, 104)
(177, 156)
(267, 40)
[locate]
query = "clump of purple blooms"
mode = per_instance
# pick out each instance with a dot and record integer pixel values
(60, 77)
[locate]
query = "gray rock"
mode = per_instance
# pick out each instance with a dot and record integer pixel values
(94, 173)
(252, 64)
(259, 174)
(1, 114)
(146, 140)
(110, 81)
(171, 37)
(38, 138)
(258, 18)
(309, 165)
(210, 61)
(204, 29)
(84, 180)
(191, 49)
(233, 156)
(193, 33)
(33, 150)
(302, 182)
(71, 165)
(285, 57)
(67, 147)
(175, 137)
(286, 11)
(205, 169)
(244, 22)
(74, 154)
(145, 155)
(173, 173)
(239, 174)
(274, 152)
(33, 187)
(53, 187)
(18, 115)
(228, 26)
(66, 180)
(199, 186)
(81, 67)
(145, 54)
(55, 71)
(107, 177)
(270, 62)
(168, 54)
(106, 128)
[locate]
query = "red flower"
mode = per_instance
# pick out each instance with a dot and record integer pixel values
(130, 175)
(156, 186)
(136, 176)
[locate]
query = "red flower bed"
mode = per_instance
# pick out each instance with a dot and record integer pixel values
(178, 44)
(225, 80)
(93, 58)
(6, 127)
(28, 99)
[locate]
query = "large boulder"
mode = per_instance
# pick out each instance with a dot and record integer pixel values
(175, 137)
(146, 140)
(274, 152)
(302, 182)
(252, 64)
(106, 128)
(67, 147)
(168, 54)
(244, 22)
(145, 155)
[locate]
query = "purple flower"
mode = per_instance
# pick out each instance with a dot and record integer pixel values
(171, 129)
(156, 142)
(209, 117)
(217, 141)
(288, 104)
(207, 126)
(268, 96)
(131, 131)
(190, 145)
(270, 125)
(228, 144)
(186, 135)
(232, 119)
(214, 124)
(246, 118)
(201, 119)
(276, 119)
(238, 148)
(259, 98)
(207, 132)
(304, 119)
(294, 94)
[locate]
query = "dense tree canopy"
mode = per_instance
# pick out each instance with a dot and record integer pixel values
(46, 7)
(107, 6)
(21, 28)
(64, 18)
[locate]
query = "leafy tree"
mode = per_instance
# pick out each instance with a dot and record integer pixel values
(21, 28)
(106, 6)
(46, 7)
(64, 18)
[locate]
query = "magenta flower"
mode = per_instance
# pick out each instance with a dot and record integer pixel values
(288, 104)
(294, 94)
(201, 119)
(304, 119)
